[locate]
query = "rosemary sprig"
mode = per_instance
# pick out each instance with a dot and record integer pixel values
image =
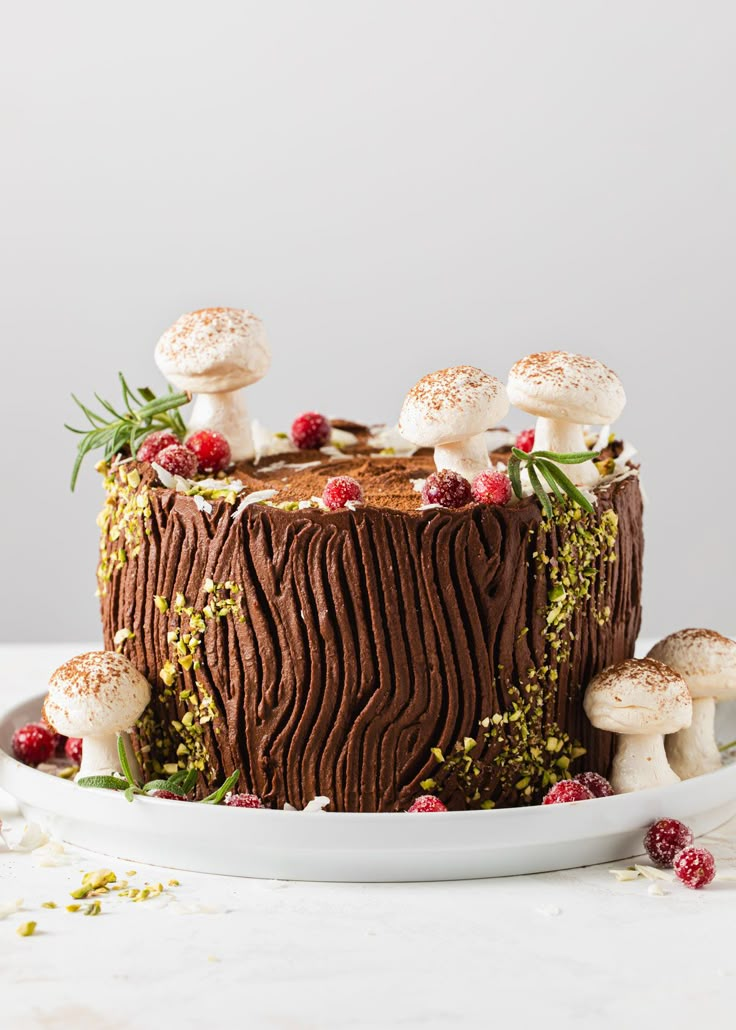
(181, 782)
(547, 464)
(113, 430)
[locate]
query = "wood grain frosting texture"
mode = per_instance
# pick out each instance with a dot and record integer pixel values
(373, 655)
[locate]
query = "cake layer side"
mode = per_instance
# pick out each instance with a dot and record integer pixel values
(371, 655)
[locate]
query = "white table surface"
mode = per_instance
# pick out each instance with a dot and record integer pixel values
(563, 949)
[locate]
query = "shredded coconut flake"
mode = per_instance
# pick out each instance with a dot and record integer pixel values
(267, 444)
(388, 438)
(33, 837)
(342, 438)
(255, 498)
(203, 504)
(317, 804)
(9, 908)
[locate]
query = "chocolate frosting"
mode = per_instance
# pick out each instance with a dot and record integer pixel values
(335, 651)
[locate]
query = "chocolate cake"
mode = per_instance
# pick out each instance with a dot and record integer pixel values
(373, 653)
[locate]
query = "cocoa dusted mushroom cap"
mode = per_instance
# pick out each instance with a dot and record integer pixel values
(95, 696)
(451, 410)
(566, 391)
(640, 700)
(707, 662)
(214, 353)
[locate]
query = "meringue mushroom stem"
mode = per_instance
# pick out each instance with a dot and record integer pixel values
(640, 762)
(226, 413)
(554, 434)
(694, 751)
(467, 457)
(100, 756)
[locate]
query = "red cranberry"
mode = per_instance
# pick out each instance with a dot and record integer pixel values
(341, 489)
(446, 488)
(154, 443)
(33, 744)
(243, 801)
(168, 794)
(310, 431)
(525, 440)
(427, 803)
(178, 461)
(664, 839)
(491, 488)
(695, 867)
(73, 750)
(598, 785)
(212, 450)
(566, 791)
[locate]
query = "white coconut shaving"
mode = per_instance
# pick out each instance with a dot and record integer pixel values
(267, 444)
(342, 438)
(257, 497)
(185, 486)
(390, 440)
(418, 484)
(33, 837)
(334, 453)
(317, 804)
(9, 908)
(203, 504)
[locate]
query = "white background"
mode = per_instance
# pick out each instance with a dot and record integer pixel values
(393, 187)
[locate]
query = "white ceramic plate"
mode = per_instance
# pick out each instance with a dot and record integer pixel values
(355, 847)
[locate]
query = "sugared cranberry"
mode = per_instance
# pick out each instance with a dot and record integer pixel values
(695, 867)
(491, 488)
(598, 785)
(178, 460)
(565, 791)
(73, 750)
(154, 443)
(664, 839)
(446, 488)
(310, 431)
(168, 794)
(33, 744)
(341, 489)
(243, 801)
(427, 803)
(525, 440)
(212, 450)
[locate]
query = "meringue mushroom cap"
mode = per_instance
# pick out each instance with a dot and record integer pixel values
(451, 405)
(96, 693)
(573, 388)
(705, 660)
(214, 350)
(638, 696)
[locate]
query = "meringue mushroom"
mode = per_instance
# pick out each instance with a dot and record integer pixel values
(451, 410)
(565, 392)
(214, 353)
(640, 700)
(707, 662)
(95, 696)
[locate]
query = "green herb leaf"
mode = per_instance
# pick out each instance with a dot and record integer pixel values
(574, 458)
(540, 491)
(105, 782)
(124, 763)
(547, 463)
(515, 476)
(114, 430)
(219, 794)
(569, 488)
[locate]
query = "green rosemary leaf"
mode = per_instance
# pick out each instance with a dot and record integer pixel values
(543, 467)
(124, 763)
(189, 781)
(574, 458)
(539, 490)
(569, 488)
(515, 476)
(146, 393)
(219, 794)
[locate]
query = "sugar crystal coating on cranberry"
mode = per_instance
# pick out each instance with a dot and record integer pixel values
(664, 839)
(154, 443)
(598, 785)
(243, 801)
(695, 867)
(447, 488)
(491, 487)
(212, 450)
(33, 743)
(341, 489)
(168, 794)
(427, 803)
(73, 750)
(525, 440)
(178, 460)
(310, 431)
(566, 791)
